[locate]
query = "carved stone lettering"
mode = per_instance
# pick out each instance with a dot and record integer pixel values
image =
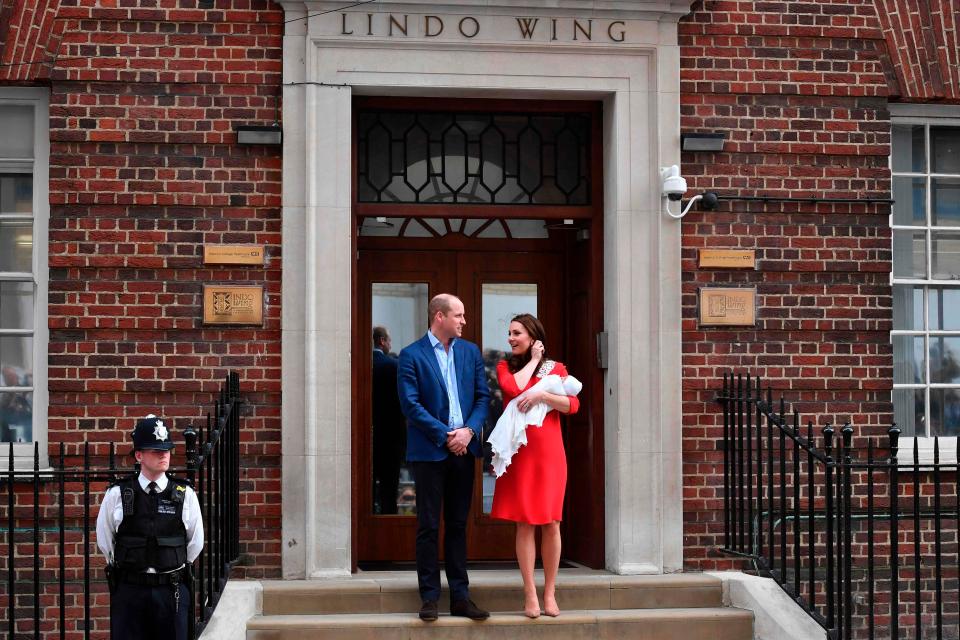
(515, 28)
(472, 27)
(432, 26)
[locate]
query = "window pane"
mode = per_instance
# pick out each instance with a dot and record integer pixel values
(946, 255)
(16, 122)
(16, 361)
(16, 193)
(909, 254)
(945, 359)
(16, 305)
(908, 364)
(911, 201)
(528, 228)
(908, 155)
(945, 149)
(944, 412)
(907, 307)
(908, 411)
(16, 416)
(945, 202)
(499, 303)
(16, 246)
(398, 312)
(944, 308)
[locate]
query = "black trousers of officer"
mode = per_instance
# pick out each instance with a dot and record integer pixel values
(145, 612)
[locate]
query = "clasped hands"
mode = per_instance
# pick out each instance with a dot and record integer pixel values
(458, 440)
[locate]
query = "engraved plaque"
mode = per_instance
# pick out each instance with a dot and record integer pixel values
(232, 254)
(728, 306)
(232, 305)
(728, 258)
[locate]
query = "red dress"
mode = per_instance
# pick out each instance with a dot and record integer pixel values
(531, 490)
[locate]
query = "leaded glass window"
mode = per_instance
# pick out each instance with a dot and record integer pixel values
(473, 158)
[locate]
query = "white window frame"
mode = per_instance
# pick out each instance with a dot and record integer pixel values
(929, 116)
(39, 164)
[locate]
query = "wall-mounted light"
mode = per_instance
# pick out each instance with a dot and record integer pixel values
(674, 186)
(702, 141)
(259, 134)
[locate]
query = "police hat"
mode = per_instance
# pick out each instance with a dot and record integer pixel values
(151, 433)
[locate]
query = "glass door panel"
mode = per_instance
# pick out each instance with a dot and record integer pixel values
(398, 313)
(499, 302)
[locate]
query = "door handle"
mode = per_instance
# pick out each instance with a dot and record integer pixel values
(603, 349)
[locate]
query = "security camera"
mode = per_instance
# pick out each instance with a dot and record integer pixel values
(674, 186)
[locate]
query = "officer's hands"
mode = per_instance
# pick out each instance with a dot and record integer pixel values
(457, 441)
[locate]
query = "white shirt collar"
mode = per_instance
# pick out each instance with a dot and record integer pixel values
(434, 340)
(161, 483)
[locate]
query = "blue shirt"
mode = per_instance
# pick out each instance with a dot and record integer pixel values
(449, 370)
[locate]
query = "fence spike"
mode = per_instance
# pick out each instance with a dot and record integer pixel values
(847, 433)
(894, 434)
(190, 436)
(828, 439)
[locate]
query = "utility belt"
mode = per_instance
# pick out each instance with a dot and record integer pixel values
(173, 578)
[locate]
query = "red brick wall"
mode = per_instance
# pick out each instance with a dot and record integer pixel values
(145, 170)
(800, 90)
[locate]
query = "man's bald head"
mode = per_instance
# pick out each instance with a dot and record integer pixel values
(447, 317)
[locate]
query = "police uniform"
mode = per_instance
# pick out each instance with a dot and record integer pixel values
(149, 533)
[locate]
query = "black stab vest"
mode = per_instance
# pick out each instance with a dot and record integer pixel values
(151, 533)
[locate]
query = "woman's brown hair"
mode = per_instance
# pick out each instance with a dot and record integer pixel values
(535, 328)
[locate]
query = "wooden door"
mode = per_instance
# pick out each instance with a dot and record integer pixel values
(393, 289)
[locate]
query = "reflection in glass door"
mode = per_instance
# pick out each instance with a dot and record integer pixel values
(398, 314)
(499, 302)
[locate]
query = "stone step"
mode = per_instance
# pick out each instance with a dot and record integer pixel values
(396, 592)
(703, 623)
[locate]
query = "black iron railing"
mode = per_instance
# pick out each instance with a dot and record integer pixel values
(54, 574)
(865, 542)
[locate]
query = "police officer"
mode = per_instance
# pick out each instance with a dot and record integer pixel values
(149, 529)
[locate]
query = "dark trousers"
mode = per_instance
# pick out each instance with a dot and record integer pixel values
(448, 483)
(142, 612)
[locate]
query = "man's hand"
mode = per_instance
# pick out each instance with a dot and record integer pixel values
(457, 440)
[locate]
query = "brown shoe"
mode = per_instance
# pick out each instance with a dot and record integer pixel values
(429, 611)
(467, 609)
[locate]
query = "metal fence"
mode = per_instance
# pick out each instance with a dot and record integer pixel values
(54, 588)
(859, 533)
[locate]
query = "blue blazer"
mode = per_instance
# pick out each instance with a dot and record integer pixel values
(423, 398)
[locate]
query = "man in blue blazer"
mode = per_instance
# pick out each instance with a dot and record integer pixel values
(443, 394)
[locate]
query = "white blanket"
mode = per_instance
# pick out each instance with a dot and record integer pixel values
(511, 431)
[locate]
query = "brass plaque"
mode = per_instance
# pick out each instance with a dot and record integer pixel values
(232, 305)
(728, 306)
(232, 254)
(728, 258)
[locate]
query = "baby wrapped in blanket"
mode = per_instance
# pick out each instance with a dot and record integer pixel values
(511, 431)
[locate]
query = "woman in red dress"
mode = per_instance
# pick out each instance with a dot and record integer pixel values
(530, 492)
